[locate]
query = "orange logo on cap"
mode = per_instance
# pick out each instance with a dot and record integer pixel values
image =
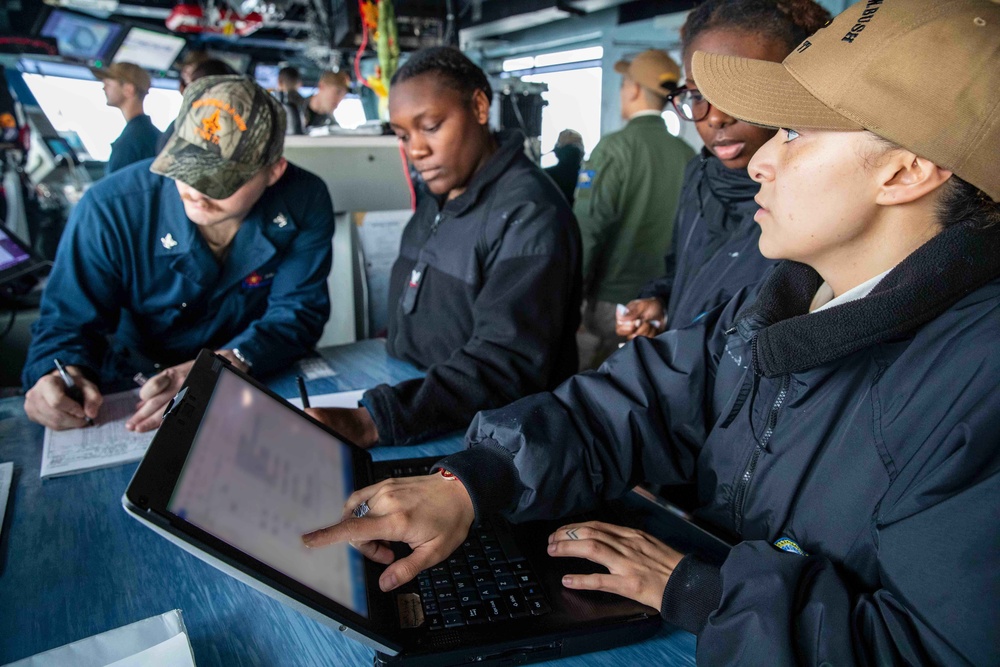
(209, 130)
(7, 121)
(219, 104)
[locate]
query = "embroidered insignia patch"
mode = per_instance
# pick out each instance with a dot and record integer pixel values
(585, 179)
(256, 280)
(789, 545)
(168, 241)
(280, 220)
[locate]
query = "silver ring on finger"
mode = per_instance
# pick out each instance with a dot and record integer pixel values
(361, 510)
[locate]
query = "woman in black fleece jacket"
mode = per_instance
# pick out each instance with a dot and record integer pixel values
(485, 293)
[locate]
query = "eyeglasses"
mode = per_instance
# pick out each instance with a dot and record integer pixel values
(690, 104)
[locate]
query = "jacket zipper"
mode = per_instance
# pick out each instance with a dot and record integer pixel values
(434, 225)
(740, 498)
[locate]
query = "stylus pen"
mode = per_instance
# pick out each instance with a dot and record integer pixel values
(72, 390)
(302, 391)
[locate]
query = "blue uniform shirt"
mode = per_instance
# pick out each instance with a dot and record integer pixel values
(136, 142)
(133, 278)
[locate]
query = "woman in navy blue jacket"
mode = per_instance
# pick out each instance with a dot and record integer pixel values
(840, 421)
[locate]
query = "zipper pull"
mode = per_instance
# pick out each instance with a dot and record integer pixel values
(434, 225)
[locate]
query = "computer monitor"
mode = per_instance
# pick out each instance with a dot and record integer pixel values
(266, 75)
(81, 37)
(151, 50)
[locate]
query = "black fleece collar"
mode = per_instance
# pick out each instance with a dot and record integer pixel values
(947, 268)
(510, 144)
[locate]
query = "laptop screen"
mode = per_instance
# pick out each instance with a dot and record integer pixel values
(258, 477)
(11, 252)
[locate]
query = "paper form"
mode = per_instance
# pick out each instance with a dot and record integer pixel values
(6, 476)
(102, 445)
(341, 399)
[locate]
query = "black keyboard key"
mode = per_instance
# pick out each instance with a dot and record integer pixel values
(438, 569)
(460, 571)
(526, 579)
(488, 590)
(506, 583)
(448, 605)
(441, 580)
(538, 607)
(453, 619)
(475, 614)
(501, 570)
(434, 622)
(463, 584)
(428, 595)
(496, 610)
(483, 578)
(516, 604)
(431, 608)
(531, 592)
(469, 598)
(520, 566)
(445, 594)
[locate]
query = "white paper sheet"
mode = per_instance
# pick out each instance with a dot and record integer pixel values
(6, 476)
(102, 445)
(112, 646)
(314, 368)
(342, 399)
(175, 652)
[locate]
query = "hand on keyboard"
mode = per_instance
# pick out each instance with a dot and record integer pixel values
(430, 513)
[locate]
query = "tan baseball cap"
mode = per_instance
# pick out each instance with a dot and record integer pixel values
(652, 69)
(126, 73)
(228, 129)
(923, 74)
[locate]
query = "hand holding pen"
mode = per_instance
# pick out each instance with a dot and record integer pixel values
(72, 389)
(63, 399)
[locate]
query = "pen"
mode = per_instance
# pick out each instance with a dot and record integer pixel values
(73, 391)
(302, 391)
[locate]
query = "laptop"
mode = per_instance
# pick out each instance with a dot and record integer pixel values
(235, 475)
(20, 269)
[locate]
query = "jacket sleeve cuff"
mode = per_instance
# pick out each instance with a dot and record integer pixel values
(693, 592)
(377, 401)
(489, 475)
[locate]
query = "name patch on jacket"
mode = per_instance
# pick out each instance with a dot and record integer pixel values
(409, 299)
(255, 280)
(586, 179)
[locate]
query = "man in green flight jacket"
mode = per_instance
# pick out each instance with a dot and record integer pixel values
(626, 198)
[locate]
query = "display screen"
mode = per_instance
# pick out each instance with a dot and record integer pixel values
(266, 75)
(148, 49)
(11, 252)
(258, 476)
(80, 37)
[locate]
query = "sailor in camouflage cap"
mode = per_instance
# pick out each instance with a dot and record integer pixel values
(219, 242)
(228, 129)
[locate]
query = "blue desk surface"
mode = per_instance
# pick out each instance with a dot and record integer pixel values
(73, 564)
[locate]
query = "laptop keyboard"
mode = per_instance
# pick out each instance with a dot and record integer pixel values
(487, 579)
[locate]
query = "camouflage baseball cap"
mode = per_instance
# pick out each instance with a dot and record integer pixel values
(228, 129)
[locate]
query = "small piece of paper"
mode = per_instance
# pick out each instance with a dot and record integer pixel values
(314, 368)
(6, 477)
(102, 445)
(342, 399)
